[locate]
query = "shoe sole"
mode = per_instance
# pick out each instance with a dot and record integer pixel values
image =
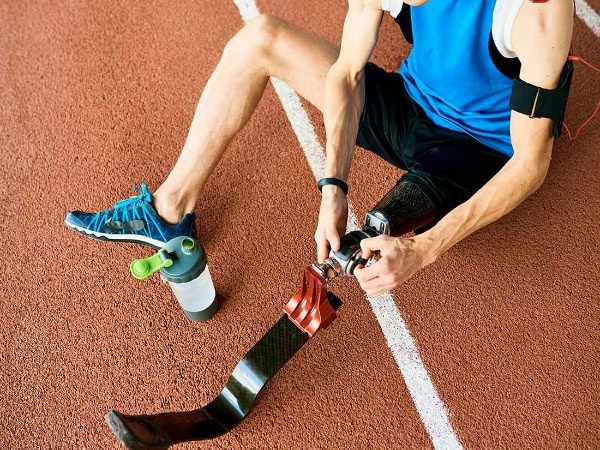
(131, 238)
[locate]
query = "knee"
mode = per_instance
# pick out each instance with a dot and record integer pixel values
(256, 41)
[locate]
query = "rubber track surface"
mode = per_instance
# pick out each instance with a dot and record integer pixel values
(97, 96)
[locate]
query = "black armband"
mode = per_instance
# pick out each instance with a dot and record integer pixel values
(538, 102)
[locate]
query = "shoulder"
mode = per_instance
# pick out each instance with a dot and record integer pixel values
(541, 38)
(546, 16)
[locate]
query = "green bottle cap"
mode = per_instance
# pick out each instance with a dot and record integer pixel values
(189, 260)
(143, 268)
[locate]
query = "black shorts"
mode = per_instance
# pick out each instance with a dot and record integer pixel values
(447, 165)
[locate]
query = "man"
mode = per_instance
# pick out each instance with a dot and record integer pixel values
(445, 117)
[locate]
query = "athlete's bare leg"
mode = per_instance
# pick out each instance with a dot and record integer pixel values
(266, 46)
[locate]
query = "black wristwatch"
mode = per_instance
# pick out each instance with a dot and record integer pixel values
(335, 181)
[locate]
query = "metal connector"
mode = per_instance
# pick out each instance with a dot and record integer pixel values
(376, 221)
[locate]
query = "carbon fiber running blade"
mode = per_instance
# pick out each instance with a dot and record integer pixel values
(229, 408)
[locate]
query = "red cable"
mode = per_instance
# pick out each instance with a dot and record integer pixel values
(572, 138)
(579, 58)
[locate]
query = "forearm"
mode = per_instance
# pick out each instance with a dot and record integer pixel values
(518, 179)
(342, 106)
(341, 116)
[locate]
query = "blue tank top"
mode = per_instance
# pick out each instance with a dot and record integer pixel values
(450, 73)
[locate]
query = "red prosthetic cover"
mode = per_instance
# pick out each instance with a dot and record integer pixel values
(309, 308)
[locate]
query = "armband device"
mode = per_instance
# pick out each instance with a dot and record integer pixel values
(538, 102)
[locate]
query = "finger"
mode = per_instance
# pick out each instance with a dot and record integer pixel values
(366, 274)
(322, 248)
(334, 239)
(377, 285)
(369, 246)
(366, 253)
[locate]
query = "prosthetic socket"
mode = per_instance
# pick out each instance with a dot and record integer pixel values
(403, 209)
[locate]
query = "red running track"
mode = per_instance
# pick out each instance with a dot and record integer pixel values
(97, 97)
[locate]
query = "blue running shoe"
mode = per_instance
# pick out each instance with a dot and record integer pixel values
(131, 220)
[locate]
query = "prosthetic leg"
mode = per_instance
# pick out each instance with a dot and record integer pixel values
(404, 208)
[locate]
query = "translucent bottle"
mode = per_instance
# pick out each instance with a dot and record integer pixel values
(183, 264)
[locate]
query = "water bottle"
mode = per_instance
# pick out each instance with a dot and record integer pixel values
(183, 264)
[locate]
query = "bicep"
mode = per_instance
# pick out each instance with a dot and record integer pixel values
(541, 37)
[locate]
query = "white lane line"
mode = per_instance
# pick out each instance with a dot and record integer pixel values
(588, 15)
(430, 407)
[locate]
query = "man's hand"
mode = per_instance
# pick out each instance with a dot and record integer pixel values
(332, 221)
(399, 259)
